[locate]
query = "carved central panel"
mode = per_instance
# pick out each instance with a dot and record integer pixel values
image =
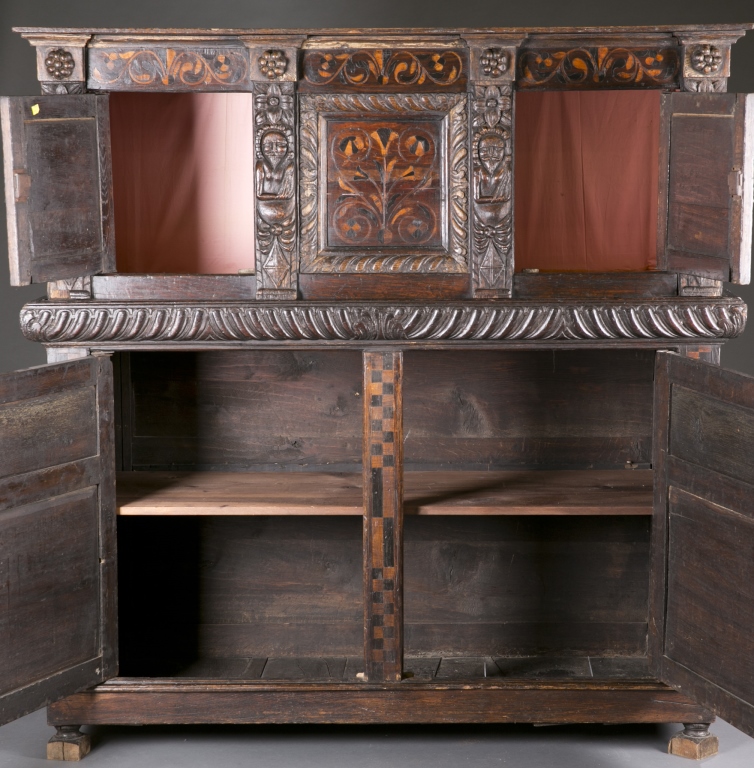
(384, 183)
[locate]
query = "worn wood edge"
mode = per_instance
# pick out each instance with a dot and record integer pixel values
(17, 277)
(173, 287)
(92, 322)
(32, 697)
(741, 273)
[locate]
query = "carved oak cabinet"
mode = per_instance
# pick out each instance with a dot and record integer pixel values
(383, 380)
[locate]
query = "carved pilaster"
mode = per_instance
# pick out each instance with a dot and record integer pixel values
(706, 62)
(275, 188)
(61, 62)
(492, 72)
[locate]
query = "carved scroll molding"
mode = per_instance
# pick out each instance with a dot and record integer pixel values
(492, 196)
(383, 119)
(275, 190)
(61, 66)
(112, 324)
(598, 67)
(407, 69)
(144, 67)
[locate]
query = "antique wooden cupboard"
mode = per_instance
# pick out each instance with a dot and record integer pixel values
(363, 462)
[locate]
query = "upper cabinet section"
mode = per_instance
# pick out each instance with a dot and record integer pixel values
(382, 164)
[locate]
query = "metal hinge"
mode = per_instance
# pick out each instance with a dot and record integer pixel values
(736, 182)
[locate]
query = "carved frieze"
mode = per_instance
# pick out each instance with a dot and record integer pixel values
(112, 324)
(492, 185)
(373, 176)
(187, 68)
(598, 67)
(385, 69)
(275, 190)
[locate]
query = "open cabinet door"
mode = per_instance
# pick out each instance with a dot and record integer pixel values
(58, 187)
(57, 533)
(710, 178)
(702, 594)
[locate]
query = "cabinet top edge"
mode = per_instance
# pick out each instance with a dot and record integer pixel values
(740, 28)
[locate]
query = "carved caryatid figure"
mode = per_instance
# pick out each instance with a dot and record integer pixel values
(274, 168)
(493, 181)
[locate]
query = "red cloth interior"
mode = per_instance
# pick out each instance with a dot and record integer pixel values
(586, 180)
(183, 178)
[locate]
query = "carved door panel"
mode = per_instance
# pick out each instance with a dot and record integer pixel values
(710, 185)
(57, 533)
(58, 189)
(701, 638)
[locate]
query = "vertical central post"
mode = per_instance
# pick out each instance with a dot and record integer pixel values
(383, 515)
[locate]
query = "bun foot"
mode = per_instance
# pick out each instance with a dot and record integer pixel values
(694, 742)
(68, 744)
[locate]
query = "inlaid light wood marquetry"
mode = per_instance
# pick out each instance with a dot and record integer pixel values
(383, 515)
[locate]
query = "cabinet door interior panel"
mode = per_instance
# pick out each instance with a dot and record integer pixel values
(702, 570)
(57, 533)
(58, 186)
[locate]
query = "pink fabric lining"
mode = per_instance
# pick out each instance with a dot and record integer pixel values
(586, 180)
(183, 178)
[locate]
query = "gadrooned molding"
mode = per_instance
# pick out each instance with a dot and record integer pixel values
(125, 323)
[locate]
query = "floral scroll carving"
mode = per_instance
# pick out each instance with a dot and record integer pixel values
(608, 67)
(186, 68)
(275, 187)
(412, 69)
(492, 238)
(370, 187)
(110, 324)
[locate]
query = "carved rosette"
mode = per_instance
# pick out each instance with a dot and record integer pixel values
(492, 183)
(59, 64)
(706, 64)
(111, 325)
(275, 190)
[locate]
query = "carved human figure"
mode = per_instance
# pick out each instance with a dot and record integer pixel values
(493, 178)
(274, 168)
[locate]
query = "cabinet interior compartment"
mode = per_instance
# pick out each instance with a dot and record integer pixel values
(586, 180)
(183, 182)
(519, 560)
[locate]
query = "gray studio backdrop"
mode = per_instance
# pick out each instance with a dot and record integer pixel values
(17, 68)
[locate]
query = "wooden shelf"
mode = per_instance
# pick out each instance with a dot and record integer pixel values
(567, 492)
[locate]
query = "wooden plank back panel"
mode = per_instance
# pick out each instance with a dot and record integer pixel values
(473, 410)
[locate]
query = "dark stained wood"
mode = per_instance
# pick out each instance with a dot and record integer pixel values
(616, 285)
(58, 186)
(382, 467)
(175, 287)
(709, 223)
(383, 287)
(703, 541)
(569, 492)
(240, 410)
(57, 516)
(560, 409)
(142, 702)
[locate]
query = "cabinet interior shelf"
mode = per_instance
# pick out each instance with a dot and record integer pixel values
(564, 492)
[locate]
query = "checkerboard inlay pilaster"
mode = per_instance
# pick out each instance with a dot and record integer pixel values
(383, 515)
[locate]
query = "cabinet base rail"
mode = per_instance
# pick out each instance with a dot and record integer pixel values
(131, 701)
